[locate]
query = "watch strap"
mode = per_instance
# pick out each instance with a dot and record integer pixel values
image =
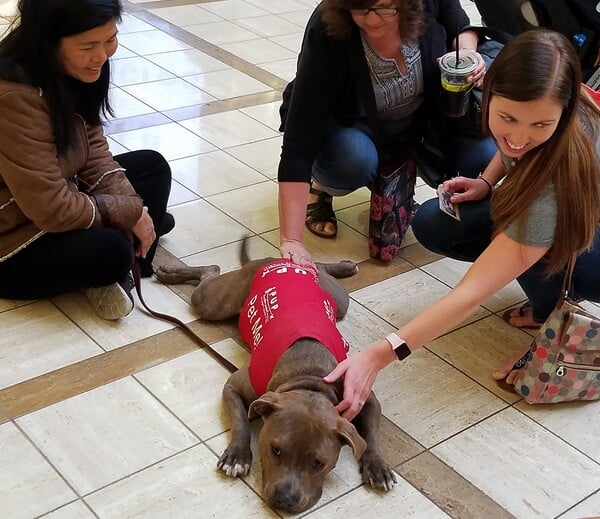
(399, 346)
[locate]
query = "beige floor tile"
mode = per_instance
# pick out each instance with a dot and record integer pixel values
(404, 296)
(451, 271)
(187, 62)
(267, 26)
(221, 32)
(186, 485)
(361, 327)
(214, 172)
(76, 510)
(130, 71)
(123, 52)
(225, 84)
(38, 338)
(10, 304)
(137, 325)
(168, 94)
(281, 6)
(184, 15)
(520, 465)
(477, 350)
(348, 244)
(228, 129)
(259, 51)
(284, 68)
(151, 42)
(574, 422)
(125, 105)
(402, 501)
(289, 41)
(430, 400)
(200, 226)
(131, 23)
(180, 194)
(29, 486)
(300, 17)
(255, 206)
(234, 9)
(448, 490)
(172, 140)
(228, 256)
(588, 509)
(267, 113)
(190, 386)
(98, 437)
(263, 156)
(115, 147)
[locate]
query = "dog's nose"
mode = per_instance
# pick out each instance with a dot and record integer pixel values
(285, 498)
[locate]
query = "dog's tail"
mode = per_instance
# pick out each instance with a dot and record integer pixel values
(244, 258)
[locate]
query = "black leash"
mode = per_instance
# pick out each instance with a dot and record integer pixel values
(135, 269)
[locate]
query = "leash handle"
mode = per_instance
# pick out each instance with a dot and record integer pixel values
(135, 270)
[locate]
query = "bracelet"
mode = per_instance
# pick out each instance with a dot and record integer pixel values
(481, 177)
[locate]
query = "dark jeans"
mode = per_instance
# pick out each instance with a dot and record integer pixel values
(467, 239)
(57, 263)
(349, 160)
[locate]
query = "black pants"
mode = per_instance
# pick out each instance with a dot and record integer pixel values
(57, 263)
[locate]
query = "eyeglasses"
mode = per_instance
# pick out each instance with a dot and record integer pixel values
(382, 12)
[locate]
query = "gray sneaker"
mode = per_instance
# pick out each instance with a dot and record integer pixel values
(110, 302)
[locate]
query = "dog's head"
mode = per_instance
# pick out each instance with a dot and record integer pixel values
(299, 444)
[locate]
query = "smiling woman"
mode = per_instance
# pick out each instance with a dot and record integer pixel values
(72, 216)
(82, 55)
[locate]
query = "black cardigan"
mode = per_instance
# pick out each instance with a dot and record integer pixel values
(333, 81)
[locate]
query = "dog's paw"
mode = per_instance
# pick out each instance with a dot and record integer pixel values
(235, 461)
(169, 275)
(377, 472)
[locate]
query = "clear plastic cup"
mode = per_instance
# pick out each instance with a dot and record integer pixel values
(455, 90)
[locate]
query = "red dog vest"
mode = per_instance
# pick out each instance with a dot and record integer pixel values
(285, 304)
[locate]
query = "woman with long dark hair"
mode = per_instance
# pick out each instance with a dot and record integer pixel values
(545, 210)
(72, 216)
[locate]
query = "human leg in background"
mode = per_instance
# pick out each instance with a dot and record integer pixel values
(150, 176)
(468, 156)
(347, 161)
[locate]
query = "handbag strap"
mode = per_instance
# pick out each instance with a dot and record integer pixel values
(135, 270)
(567, 280)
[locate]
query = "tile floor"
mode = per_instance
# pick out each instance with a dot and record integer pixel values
(120, 420)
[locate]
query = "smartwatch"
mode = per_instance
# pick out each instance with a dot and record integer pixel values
(399, 346)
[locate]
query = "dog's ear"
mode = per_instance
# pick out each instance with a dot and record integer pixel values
(349, 435)
(265, 405)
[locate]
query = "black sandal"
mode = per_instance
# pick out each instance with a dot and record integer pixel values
(321, 211)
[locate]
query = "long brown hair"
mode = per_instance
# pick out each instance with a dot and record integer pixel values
(533, 65)
(339, 22)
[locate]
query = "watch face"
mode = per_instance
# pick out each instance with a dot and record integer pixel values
(402, 351)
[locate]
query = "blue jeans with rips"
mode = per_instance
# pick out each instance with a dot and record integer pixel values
(466, 239)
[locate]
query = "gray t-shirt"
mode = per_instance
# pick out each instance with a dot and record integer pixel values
(537, 224)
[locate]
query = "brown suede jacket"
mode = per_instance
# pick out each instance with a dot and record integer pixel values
(42, 191)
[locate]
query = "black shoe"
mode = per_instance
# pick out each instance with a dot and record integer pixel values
(168, 224)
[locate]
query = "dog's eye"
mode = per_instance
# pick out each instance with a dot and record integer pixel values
(317, 464)
(276, 450)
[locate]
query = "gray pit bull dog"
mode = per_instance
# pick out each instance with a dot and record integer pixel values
(287, 317)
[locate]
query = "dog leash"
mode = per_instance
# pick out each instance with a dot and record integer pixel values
(135, 270)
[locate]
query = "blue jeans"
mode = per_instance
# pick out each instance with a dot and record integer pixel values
(348, 159)
(467, 239)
